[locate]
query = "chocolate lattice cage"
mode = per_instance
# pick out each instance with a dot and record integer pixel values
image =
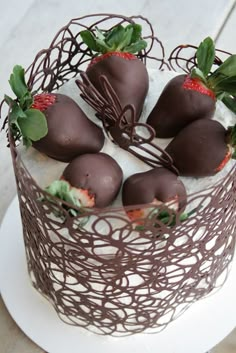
(98, 269)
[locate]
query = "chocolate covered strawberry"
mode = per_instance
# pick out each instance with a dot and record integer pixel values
(202, 148)
(53, 123)
(96, 177)
(115, 59)
(70, 132)
(157, 186)
(187, 98)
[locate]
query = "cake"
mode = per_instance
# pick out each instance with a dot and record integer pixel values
(103, 268)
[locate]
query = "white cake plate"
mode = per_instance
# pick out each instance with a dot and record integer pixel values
(199, 329)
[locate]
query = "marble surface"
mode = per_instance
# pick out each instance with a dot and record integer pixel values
(26, 28)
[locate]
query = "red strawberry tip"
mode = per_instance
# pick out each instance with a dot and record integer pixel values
(123, 55)
(43, 100)
(196, 84)
(225, 161)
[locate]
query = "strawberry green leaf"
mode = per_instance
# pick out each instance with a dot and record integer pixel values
(34, 126)
(115, 36)
(119, 38)
(136, 47)
(137, 32)
(17, 81)
(228, 84)
(90, 40)
(126, 39)
(9, 100)
(230, 102)
(197, 73)
(26, 101)
(100, 35)
(233, 137)
(205, 55)
(27, 142)
(62, 190)
(228, 68)
(103, 47)
(15, 114)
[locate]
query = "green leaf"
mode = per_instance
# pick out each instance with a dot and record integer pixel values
(103, 47)
(136, 47)
(27, 142)
(17, 81)
(197, 73)
(119, 38)
(230, 102)
(137, 32)
(9, 100)
(228, 84)
(126, 39)
(205, 55)
(115, 36)
(16, 113)
(233, 138)
(26, 101)
(228, 68)
(100, 35)
(34, 126)
(90, 40)
(62, 190)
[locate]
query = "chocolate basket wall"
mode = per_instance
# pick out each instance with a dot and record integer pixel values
(106, 276)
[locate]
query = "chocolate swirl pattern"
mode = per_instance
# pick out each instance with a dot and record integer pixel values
(97, 269)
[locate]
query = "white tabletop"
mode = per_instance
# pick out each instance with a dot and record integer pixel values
(28, 26)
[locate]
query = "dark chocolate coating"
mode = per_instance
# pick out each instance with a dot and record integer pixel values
(129, 79)
(159, 183)
(199, 148)
(177, 107)
(70, 132)
(98, 173)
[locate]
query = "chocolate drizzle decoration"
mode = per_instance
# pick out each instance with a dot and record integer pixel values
(120, 125)
(97, 269)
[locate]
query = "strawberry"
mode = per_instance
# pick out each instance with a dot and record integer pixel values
(126, 73)
(53, 123)
(78, 197)
(97, 178)
(70, 132)
(157, 186)
(187, 98)
(202, 148)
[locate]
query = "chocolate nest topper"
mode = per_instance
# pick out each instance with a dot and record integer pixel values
(98, 269)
